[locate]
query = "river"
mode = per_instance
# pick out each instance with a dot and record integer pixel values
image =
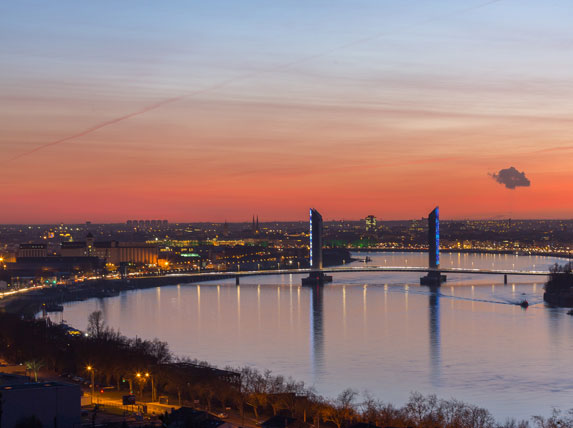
(376, 332)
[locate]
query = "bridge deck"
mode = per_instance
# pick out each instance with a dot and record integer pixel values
(371, 269)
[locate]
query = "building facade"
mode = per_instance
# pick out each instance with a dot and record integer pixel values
(370, 223)
(114, 252)
(52, 403)
(32, 250)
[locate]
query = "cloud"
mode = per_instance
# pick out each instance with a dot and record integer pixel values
(511, 178)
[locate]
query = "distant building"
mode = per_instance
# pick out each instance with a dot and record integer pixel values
(370, 223)
(112, 251)
(147, 224)
(255, 226)
(32, 250)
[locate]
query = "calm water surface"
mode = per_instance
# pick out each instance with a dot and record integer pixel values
(372, 331)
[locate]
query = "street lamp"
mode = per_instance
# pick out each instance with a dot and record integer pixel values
(92, 371)
(142, 379)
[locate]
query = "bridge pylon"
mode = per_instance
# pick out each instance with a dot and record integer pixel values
(316, 276)
(434, 277)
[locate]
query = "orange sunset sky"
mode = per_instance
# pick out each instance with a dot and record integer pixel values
(213, 111)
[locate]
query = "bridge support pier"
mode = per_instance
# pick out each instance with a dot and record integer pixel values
(505, 278)
(237, 280)
(316, 278)
(433, 279)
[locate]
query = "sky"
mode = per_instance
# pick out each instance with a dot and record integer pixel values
(218, 110)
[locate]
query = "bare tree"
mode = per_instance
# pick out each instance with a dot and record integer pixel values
(96, 324)
(341, 411)
(512, 423)
(556, 420)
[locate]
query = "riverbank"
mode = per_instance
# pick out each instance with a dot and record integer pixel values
(559, 300)
(465, 251)
(30, 303)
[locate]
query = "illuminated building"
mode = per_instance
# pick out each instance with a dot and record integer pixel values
(370, 223)
(32, 250)
(112, 251)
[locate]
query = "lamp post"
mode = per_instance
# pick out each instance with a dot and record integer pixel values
(141, 380)
(92, 371)
(153, 398)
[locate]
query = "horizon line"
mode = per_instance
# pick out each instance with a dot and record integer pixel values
(283, 221)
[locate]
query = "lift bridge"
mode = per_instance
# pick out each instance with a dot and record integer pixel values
(317, 274)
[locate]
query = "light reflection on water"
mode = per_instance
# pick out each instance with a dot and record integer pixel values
(380, 332)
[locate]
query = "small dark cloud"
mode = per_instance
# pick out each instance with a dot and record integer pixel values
(511, 178)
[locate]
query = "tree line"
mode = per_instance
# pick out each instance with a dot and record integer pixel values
(560, 279)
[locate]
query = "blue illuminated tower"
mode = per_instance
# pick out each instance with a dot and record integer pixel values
(316, 277)
(434, 277)
(315, 240)
(434, 238)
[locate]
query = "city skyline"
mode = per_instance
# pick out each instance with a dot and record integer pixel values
(203, 112)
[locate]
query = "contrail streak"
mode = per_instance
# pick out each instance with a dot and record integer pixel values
(127, 116)
(247, 76)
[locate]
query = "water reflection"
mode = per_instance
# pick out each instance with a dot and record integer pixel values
(317, 331)
(435, 341)
(238, 306)
(555, 316)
